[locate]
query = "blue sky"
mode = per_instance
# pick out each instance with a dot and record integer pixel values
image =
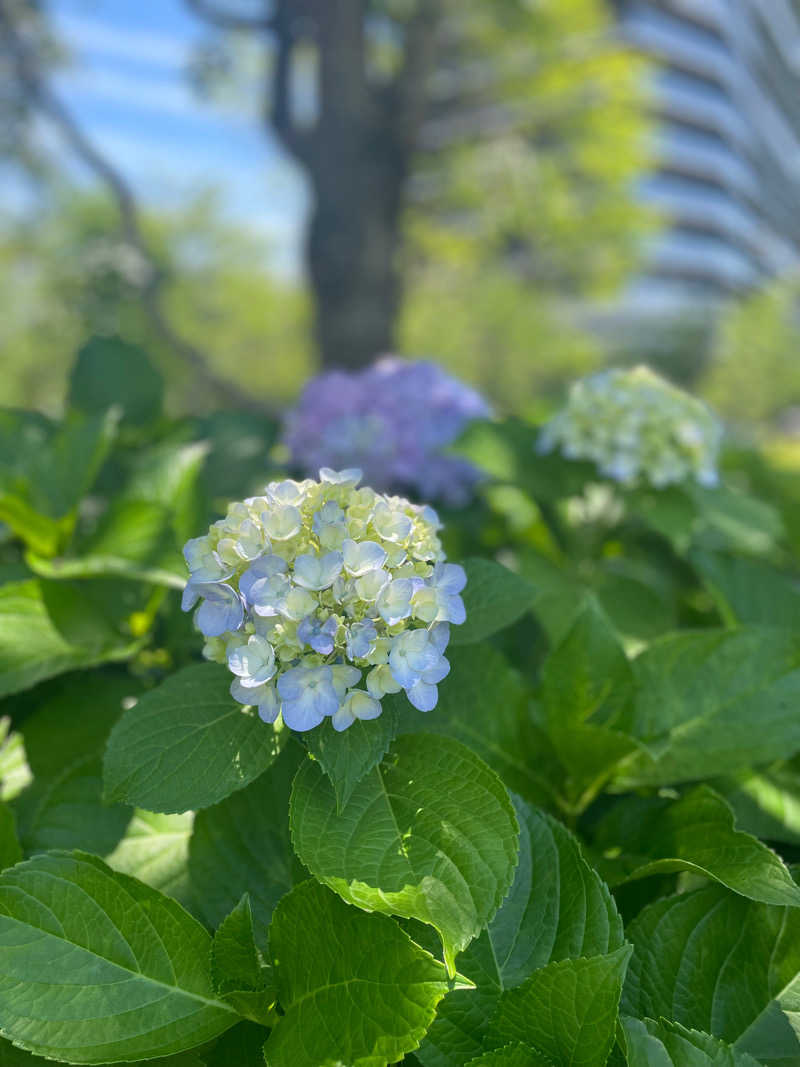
(127, 86)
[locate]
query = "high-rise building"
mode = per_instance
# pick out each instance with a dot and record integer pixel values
(726, 175)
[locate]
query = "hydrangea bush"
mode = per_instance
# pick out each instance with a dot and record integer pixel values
(392, 421)
(638, 429)
(313, 587)
(584, 853)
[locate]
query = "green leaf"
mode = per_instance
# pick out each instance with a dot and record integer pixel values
(513, 1055)
(506, 449)
(64, 736)
(484, 704)
(15, 774)
(98, 967)
(62, 472)
(587, 675)
(558, 908)
(697, 833)
(155, 849)
(141, 534)
(458, 1031)
(735, 520)
(348, 755)
(430, 834)
(242, 846)
(587, 687)
(10, 1056)
(66, 812)
(567, 1010)
(494, 597)
(237, 971)
(712, 702)
(750, 590)
(713, 961)
(64, 727)
(239, 444)
(242, 1046)
(670, 511)
(10, 850)
(44, 475)
(639, 596)
(234, 957)
(167, 474)
(109, 371)
(354, 988)
(187, 744)
(559, 594)
(133, 541)
(48, 628)
(666, 1044)
(766, 804)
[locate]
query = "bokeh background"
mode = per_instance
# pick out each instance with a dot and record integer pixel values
(522, 190)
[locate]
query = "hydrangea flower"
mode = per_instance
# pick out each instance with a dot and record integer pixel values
(347, 598)
(637, 428)
(391, 420)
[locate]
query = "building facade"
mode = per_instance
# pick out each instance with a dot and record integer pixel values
(726, 174)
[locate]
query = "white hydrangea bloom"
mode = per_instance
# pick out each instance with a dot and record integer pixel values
(637, 428)
(322, 598)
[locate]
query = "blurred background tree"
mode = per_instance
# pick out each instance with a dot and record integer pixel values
(522, 203)
(753, 369)
(462, 157)
(472, 174)
(67, 275)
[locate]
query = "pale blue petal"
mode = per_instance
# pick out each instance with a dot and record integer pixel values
(423, 696)
(301, 714)
(265, 567)
(342, 719)
(290, 683)
(455, 610)
(191, 595)
(450, 577)
(437, 672)
(221, 611)
(269, 706)
(440, 636)
(402, 672)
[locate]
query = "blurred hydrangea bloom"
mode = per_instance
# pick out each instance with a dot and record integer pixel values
(315, 587)
(637, 428)
(391, 420)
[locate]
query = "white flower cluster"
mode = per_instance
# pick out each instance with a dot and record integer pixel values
(313, 586)
(637, 428)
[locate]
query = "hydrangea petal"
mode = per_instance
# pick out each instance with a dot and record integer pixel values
(269, 705)
(220, 611)
(422, 695)
(359, 557)
(317, 572)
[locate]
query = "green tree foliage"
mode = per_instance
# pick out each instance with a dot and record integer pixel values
(522, 195)
(220, 294)
(753, 372)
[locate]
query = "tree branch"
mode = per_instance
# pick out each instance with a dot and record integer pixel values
(300, 143)
(408, 93)
(30, 78)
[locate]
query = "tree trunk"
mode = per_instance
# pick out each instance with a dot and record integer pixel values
(358, 157)
(352, 252)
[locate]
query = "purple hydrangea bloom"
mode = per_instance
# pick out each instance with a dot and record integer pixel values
(392, 420)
